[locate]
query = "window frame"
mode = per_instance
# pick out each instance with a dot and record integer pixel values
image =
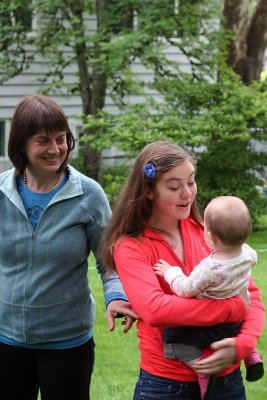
(6, 124)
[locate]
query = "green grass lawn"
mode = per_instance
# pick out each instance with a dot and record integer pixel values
(258, 390)
(117, 355)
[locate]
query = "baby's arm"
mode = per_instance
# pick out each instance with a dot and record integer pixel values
(162, 267)
(159, 309)
(181, 284)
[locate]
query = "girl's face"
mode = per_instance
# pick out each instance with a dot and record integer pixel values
(46, 152)
(174, 193)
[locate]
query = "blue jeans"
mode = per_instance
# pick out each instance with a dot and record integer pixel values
(148, 386)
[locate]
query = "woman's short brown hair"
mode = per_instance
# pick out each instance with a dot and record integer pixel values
(36, 113)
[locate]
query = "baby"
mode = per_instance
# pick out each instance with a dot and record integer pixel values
(225, 273)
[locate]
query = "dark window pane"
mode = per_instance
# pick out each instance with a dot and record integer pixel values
(2, 138)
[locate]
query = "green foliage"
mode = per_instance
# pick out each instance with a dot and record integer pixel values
(14, 38)
(112, 180)
(206, 109)
(220, 121)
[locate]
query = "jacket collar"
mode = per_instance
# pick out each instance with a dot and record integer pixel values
(72, 188)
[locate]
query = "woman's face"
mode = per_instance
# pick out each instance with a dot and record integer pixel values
(174, 193)
(46, 152)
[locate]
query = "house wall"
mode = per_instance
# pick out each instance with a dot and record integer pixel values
(28, 83)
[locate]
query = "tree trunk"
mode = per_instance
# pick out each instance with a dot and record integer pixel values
(104, 13)
(236, 21)
(81, 54)
(247, 48)
(257, 41)
(92, 88)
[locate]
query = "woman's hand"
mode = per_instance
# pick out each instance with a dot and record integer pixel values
(224, 355)
(118, 308)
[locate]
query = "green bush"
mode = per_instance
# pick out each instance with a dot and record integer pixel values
(112, 180)
(218, 121)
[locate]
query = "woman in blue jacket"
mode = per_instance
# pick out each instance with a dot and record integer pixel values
(51, 218)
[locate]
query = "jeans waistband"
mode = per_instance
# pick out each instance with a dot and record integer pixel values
(224, 378)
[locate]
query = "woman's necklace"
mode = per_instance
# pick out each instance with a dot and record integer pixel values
(173, 240)
(52, 187)
(176, 242)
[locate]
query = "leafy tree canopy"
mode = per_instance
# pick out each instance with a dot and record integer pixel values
(205, 107)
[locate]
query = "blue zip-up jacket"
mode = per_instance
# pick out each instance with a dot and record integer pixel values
(44, 290)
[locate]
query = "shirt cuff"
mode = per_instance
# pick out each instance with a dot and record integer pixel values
(115, 296)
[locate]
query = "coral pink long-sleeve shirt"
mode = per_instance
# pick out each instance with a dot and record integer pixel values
(152, 298)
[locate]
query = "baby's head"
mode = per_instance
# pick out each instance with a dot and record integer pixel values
(228, 218)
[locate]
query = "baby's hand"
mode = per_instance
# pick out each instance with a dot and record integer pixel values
(161, 267)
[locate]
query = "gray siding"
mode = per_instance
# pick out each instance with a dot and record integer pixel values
(28, 82)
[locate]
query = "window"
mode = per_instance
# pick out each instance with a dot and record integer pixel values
(23, 17)
(19, 16)
(123, 18)
(2, 139)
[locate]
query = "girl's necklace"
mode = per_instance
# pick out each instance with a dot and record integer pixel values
(52, 187)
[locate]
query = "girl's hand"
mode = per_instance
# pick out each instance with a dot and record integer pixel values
(224, 355)
(161, 267)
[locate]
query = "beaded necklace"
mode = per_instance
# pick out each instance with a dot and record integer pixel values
(52, 187)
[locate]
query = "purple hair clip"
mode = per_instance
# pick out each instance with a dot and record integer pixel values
(150, 170)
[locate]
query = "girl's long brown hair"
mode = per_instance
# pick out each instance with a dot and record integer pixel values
(132, 209)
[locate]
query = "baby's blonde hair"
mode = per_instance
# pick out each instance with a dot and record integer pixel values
(229, 219)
